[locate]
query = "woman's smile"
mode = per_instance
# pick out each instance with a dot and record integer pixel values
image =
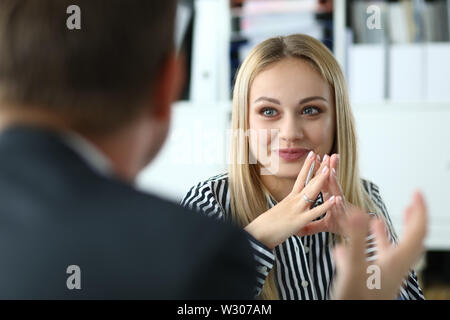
(292, 154)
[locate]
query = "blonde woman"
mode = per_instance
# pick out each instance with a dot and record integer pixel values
(292, 89)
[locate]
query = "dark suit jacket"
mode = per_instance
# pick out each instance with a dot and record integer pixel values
(55, 211)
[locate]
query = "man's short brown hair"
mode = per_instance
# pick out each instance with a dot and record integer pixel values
(97, 76)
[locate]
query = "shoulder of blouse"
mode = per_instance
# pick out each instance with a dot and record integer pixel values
(374, 192)
(209, 197)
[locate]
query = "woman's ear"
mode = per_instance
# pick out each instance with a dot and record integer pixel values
(167, 86)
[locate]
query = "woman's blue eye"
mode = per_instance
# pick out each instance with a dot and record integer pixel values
(311, 111)
(268, 112)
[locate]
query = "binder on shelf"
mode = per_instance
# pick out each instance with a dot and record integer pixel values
(260, 20)
(264, 19)
(435, 21)
(401, 22)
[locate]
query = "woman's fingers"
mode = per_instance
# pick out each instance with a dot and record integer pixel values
(330, 223)
(325, 162)
(320, 164)
(313, 228)
(301, 178)
(316, 174)
(317, 166)
(334, 185)
(316, 212)
(314, 187)
(334, 162)
(331, 162)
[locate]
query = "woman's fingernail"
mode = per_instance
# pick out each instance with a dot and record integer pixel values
(325, 158)
(318, 157)
(334, 171)
(311, 153)
(325, 170)
(331, 199)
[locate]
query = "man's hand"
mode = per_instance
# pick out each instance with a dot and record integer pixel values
(393, 262)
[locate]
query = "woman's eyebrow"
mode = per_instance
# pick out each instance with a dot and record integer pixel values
(267, 99)
(311, 99)
(305, 100)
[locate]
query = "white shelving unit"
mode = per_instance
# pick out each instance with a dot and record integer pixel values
(403, 129)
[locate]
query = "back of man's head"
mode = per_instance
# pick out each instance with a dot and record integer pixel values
(98, 76)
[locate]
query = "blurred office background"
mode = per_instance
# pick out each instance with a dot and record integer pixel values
(396, 58)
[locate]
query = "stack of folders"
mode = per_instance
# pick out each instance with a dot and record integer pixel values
(406, 58)
(259, 20)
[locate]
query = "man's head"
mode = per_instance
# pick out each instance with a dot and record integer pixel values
(116, 69)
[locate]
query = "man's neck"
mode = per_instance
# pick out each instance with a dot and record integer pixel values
(121, 151)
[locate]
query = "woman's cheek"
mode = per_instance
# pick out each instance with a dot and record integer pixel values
(319, 133)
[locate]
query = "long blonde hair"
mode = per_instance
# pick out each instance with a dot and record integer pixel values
(248, 195)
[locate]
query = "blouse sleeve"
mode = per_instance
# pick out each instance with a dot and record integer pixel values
(209, 199)
(411, 289)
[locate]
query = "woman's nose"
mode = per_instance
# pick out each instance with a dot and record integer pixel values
(290, 130)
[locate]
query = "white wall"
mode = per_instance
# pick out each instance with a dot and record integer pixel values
(404, 147)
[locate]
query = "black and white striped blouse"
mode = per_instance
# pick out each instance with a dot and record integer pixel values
(304, 265)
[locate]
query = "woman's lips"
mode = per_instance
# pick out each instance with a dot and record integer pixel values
(292, 154)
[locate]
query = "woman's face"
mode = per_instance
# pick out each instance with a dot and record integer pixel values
(290, 104)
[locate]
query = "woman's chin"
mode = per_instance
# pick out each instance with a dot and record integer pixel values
(290, 170)
(282, 173)
(283, 170)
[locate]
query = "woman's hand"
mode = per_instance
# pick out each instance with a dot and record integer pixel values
(392, 263)
(332, 187)
(291, 214)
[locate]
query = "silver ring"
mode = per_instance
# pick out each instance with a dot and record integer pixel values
(305, 197)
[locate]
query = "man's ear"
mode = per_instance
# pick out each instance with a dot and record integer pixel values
(168, 85)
